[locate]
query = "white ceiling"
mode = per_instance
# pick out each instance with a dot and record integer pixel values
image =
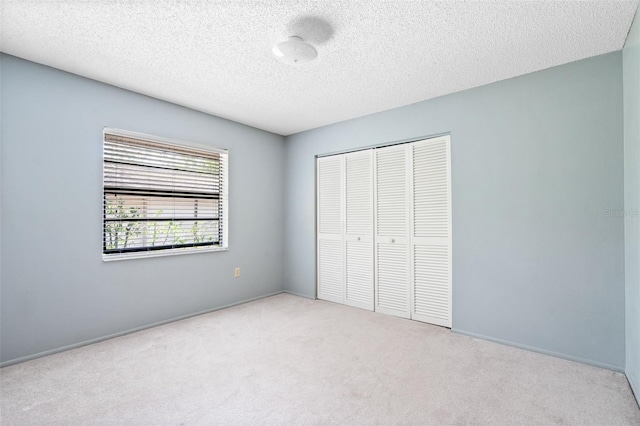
(215, 56)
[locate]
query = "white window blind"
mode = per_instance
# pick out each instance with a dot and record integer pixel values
(161, 196)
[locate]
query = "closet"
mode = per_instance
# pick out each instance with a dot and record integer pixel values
(345, 229)
(384, 229)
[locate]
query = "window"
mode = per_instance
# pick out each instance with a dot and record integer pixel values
(161, 196)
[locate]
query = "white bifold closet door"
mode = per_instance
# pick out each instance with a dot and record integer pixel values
(359, 229)
(413, 231)
(330, 212)
(392, 231)
(345, 229)
(431, 231)
(384, 230)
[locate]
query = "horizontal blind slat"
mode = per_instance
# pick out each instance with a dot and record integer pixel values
(160, 196)
(111, 138)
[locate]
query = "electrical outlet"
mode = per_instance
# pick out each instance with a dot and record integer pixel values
(236, 273)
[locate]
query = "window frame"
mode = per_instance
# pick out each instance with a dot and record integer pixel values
(223, 198)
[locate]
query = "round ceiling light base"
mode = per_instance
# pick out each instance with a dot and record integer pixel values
(294, 51)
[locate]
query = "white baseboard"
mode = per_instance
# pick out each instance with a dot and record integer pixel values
(299, 294)
(542, 351)
(133, 330)
(634, 388)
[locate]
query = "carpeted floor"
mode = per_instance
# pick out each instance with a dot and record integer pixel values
(289, 360)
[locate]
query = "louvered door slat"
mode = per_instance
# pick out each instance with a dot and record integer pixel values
(329, 195)
(431, 288)
(359, 195)
(391, 191)
(330, 270)
(430, 189)
(359, 274)
(392, 279)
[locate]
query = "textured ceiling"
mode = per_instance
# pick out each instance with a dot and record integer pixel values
(215, 56)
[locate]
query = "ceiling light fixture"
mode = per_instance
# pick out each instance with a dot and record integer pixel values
(294, 51)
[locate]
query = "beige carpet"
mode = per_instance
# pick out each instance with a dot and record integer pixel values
(289, 360)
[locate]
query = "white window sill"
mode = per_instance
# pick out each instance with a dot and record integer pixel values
(160, 253)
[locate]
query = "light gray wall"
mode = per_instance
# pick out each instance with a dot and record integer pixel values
(536, 163)
(56, 291)
(631, 72)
